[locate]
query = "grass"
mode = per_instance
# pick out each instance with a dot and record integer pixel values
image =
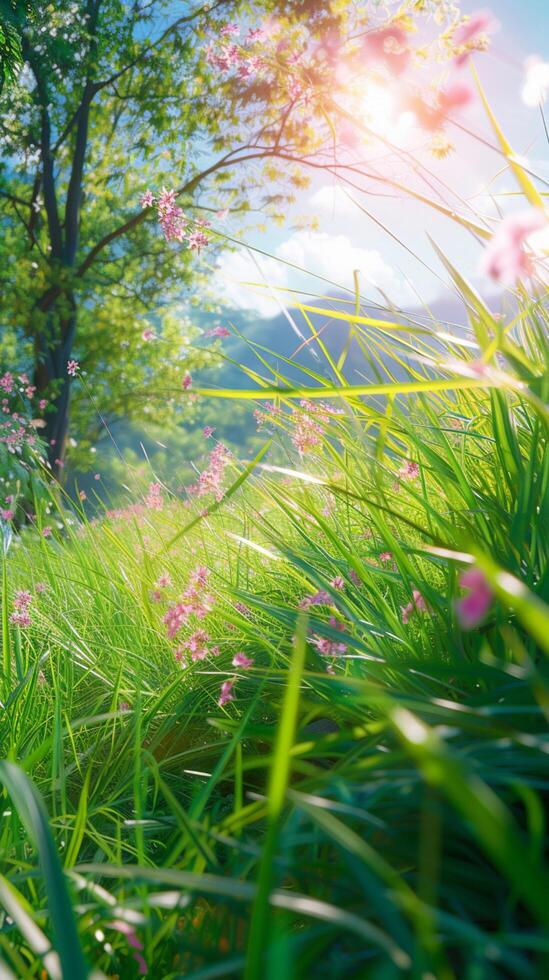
(377, 813)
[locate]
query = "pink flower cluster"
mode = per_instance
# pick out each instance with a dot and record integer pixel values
(194, 602)
(17, 429)
(21, 604)
(154, 499)
(327, 647)
(210, 480)
(7, 382)
(418, 605)
(321, 598)
(197, 647)
(310, 420)
(409, 470)
(226, 56)
(263, 416)
(174, 222)
(471, 35)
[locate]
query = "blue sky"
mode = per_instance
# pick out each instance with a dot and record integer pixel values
(346, 239)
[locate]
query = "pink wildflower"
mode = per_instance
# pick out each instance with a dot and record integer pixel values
(7, 382)
(226, 693)
(7, 514)
(42, 404)
(22, 600)
(199, 576)
(72, 368)
(338, 583)
(148, 334)
(218, 332)
(172, 219)
(354, 577)
(197, 645)
(154, 499)
(472, 608)
(197, 241)
(242, 608)
(210, 479)
(308, 428)
(164, 581)
(409, 470)
(187, 381)
(147, 200)
(328, 648)
(241, 660)
(41, 587)
(418, 604)
(46, 532)
(386, 556)
(471, 35)
(208, 431)
(388, 46)
(22, 618)
(320, 598)
(230, 30)
(505, 258)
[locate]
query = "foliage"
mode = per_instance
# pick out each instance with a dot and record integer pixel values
(13, 13)
(113, 99)
(410, 835)
(23, 473)
(291, 719)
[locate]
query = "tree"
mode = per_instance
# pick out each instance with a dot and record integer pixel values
(113, 99)
(13, 13)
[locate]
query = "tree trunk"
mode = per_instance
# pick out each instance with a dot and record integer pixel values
(52, 352)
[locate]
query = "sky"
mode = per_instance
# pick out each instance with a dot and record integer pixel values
(404, 268)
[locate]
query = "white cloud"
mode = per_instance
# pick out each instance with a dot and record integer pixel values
(330, 256)
(332, 203)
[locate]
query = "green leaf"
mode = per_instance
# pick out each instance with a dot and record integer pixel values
(33, 816)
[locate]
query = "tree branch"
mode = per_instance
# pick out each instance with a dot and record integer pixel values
(136, 219)
(74, 192)
(48, 176)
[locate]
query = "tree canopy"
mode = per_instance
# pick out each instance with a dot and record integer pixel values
(114, 101)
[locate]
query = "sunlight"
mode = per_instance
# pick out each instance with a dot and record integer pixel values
(380, 111)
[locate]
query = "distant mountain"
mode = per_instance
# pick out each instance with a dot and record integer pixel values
(171, 456)
(289, 336)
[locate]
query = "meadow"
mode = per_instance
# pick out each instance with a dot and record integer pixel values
(292, 721)
(325, 762)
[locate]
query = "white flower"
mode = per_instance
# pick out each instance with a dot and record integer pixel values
(536, 81)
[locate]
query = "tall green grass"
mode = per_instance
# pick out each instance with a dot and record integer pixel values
(382, 818)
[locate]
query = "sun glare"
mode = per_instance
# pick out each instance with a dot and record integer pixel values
(377, 108)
